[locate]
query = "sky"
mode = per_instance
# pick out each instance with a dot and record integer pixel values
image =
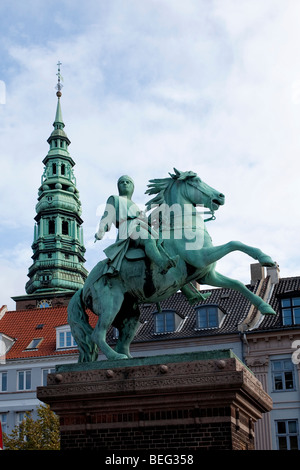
(211, 86)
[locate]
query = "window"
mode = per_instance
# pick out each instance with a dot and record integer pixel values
(65, 227)
(166, 321)
(64, 338)
(283, 375)
(287, 434)
(45, 373)
(3, 381)
(54, 168)
(24, 380)
(51, 228)
(209, 316)
(3, 420)
(290, 311)
(34, 344)
(115, 333)
(20, 418)
(63, 169)
(45, 280)
(44, 303)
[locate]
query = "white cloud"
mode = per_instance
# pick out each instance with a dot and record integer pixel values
(206, 86)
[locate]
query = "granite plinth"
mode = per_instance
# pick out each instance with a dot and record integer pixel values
(200, 400)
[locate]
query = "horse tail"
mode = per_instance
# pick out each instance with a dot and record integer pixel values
(81, 329)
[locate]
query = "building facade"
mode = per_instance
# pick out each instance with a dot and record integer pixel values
(39, 339)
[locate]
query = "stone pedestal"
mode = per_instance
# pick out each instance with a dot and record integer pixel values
(192, 401)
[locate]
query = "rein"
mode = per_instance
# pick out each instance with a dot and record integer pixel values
(210, 212)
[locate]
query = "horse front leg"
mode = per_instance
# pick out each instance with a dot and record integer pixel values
(214, 253)
(219, 280)
(110, 301)
(127, 323)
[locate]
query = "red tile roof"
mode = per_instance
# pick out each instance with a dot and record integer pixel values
(21, 325)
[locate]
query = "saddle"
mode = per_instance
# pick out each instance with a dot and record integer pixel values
(134, 254)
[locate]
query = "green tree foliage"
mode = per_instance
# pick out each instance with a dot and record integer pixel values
(40, 434)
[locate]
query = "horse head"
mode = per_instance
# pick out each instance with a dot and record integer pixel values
(190, 186)
(197, 192)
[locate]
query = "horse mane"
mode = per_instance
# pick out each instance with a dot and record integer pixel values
(159, 187)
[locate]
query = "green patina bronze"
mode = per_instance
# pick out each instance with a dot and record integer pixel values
(58, 248)
(131, 275)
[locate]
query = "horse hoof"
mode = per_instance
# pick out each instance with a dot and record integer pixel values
(120, 356)
(266, 309)
(267, 261)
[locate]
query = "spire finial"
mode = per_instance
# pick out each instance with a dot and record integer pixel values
(59, 85)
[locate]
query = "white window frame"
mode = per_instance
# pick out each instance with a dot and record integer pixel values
(64, 338)
(1, 381)
(3, 420)
(27, 373)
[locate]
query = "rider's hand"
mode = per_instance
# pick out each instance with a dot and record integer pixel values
(99, 235)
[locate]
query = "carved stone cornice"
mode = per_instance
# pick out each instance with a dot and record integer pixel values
(206, 379)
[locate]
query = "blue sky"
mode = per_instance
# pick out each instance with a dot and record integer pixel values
(209, 86)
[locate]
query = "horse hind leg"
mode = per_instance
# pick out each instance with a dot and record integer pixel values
(214, 253)
(110, 301)
(127, 323)
(219, 280)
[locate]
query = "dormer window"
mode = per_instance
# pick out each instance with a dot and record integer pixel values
(64, 338)
(166, 321)
(290, 309)
(6, 343)
(209, 316)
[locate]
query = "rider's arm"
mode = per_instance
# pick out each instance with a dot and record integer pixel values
(108, 218)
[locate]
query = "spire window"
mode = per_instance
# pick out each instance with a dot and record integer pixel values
(51, 228)
(65, 227)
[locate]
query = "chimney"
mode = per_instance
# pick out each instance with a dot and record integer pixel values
(257, 272)
(274, 274)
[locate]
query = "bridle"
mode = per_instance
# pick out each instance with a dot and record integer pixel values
(209, 212)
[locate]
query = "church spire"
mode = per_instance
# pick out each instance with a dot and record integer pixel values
(58, 122)
(58, 250)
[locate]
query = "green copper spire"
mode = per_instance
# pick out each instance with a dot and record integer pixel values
(58, 250)
(58, 122)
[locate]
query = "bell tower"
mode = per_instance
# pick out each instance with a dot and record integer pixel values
(58, 247)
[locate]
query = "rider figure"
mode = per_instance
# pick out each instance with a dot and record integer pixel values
(133, 229)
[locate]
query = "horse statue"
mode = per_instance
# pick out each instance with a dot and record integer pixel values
(183, 234)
